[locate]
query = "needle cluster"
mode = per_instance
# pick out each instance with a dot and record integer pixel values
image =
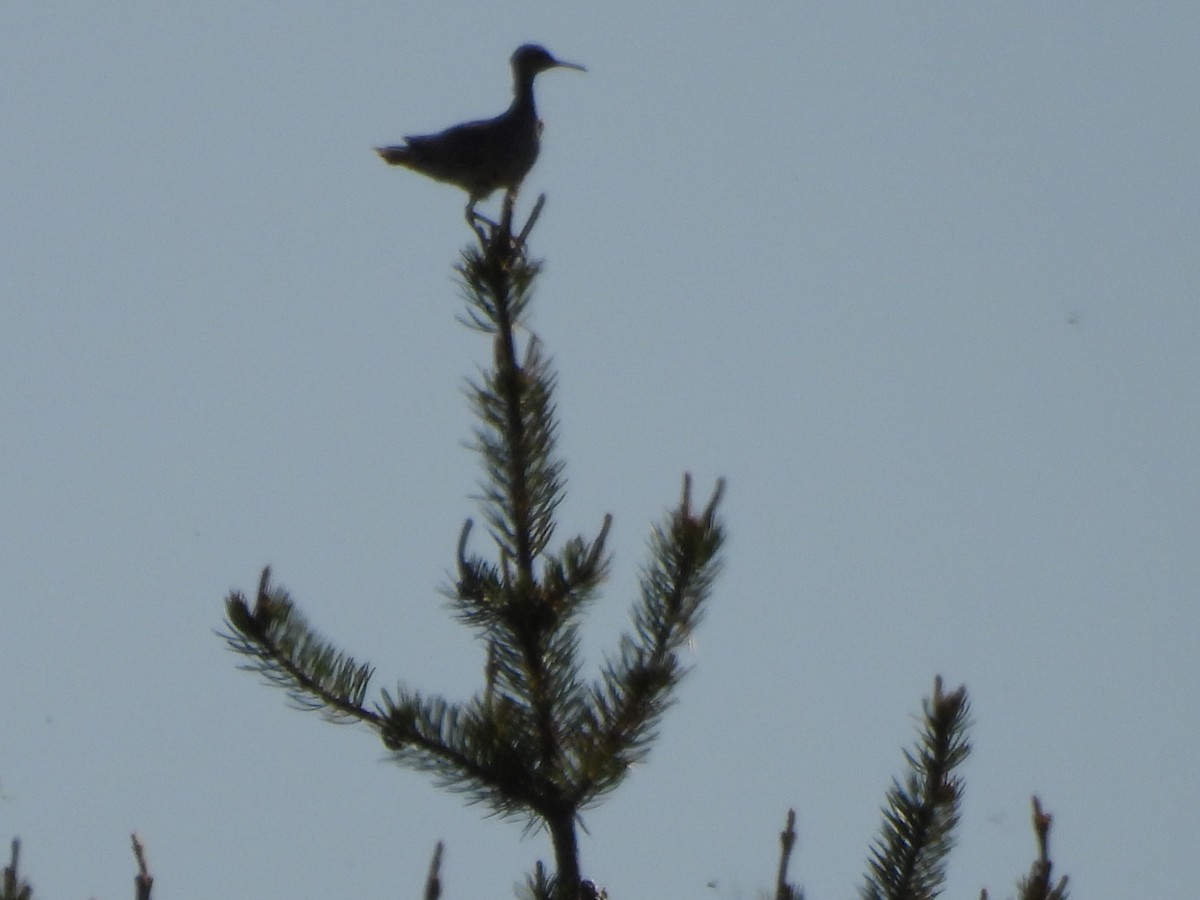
(908, 861)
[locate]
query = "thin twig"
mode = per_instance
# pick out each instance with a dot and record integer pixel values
(787, 842)
(144, 880)
(433, 883)
(533, 217)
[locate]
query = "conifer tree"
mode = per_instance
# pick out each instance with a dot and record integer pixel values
(539, 742)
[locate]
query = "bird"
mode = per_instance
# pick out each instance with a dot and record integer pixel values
(480, 157)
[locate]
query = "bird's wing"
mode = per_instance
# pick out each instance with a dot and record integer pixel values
(465, 146)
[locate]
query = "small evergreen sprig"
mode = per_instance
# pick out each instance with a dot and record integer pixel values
(784, 889)
(538, 742)
(14, 887)
(908, 861)
(1038, 884)
(285, 650)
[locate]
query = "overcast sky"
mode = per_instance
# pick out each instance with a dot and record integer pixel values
(920, 280)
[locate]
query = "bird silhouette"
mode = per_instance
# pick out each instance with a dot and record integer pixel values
(482, 156)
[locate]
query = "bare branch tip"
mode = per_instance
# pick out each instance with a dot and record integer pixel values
(463, 537)
(718, 492)
(143, 881)
(685, 503)
(1041, 825)
(533, 217)
(264, 582)
(940, 698)
(433, 882)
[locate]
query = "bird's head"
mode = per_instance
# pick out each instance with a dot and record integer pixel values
(529, 59)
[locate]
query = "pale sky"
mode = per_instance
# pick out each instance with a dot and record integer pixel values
(920, 280)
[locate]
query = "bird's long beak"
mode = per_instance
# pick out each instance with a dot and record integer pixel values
(566, 65)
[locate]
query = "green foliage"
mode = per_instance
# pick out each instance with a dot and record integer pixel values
(908, 861)
(539, 742)
(286, 651)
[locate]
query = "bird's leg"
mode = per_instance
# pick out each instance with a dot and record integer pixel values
(475, 219)
(472, 216)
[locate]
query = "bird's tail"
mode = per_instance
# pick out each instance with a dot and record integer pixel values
(395, 156)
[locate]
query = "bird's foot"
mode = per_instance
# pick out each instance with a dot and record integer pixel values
(484, 228)
(500, 234)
